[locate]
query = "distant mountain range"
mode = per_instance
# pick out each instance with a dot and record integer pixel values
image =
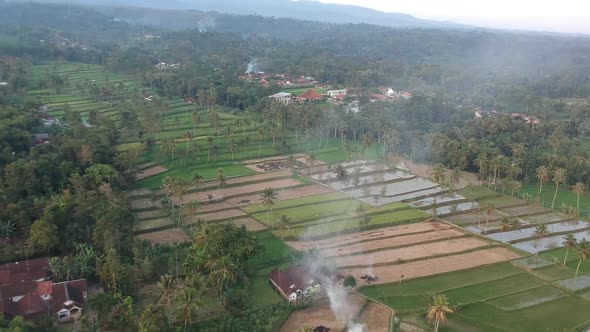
(302, 9)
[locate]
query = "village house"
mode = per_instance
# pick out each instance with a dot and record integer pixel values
(378, 97)
(26, 290)
(298, 283)
(309, 95)
(282, 97)
(334, 93)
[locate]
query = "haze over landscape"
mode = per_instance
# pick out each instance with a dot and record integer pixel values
(294, 166)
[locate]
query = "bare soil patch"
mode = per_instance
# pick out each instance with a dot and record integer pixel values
(376, 317)
(283, 194)
(391, 242)
(167, 236)
(142, 203)
(412, 252)
(427, 267)
(250, 224)
(219, 215)
(321, 314)
(139, 192)
(150, 214)
(368, 235)
(206, 208)
(150, 172)
(251, 188)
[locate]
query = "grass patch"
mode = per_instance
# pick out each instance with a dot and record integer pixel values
(502, 201)
(477, 193)
(564, 196)
(554, 272)
(208, 172)
(310, 212)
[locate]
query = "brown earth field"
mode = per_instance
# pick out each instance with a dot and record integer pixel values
(386, 232)
(224, 192)
(428, 267)
(218, 215)
(275, 158)
(422, 251)
(282, 194)
(139, 192)
(207, 208)
(391, 242)
(375, 317)
(167, 236)
(523, 210)
(250, 224)
(154, 223)
(471, 218)
(150, 214)
(150, 172)
(142, 203)
(320, 314)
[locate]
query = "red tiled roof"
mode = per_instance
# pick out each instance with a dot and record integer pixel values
(378, 96)
(31, 269)
(310, 95)
(283, 281)
(69, 291)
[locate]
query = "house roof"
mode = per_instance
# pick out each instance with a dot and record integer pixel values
(68, 291)
(310, 95)
(283, 281)
(379, 96)
(299, 277)
(280, 94)
(29, 270)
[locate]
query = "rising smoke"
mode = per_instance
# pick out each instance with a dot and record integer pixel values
(252, 67)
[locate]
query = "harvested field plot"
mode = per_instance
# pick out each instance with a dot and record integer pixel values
(434, 266)
(250, 224)
(421, 251)
(362, 247)
(321, 314)
(167, 236)
(143, 203)
(545, 218)
(150, 172)
(554, 272)
(375, 317)
(382, 233)
(527, 298)
(283, 194)
(440, 199)
(525, 210)
(217, 216)
(153, 224)
(503, 202)
(150, 214)
(470, 218)
(236, 191)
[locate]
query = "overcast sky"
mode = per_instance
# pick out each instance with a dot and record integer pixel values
(556, 15)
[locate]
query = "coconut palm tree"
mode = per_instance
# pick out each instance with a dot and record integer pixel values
(515, 186)
(542, 176)
(508, 223)
(489, 208)
(438, 309)
(578, 189)
(268, 200)
(559, 177)
(166, 286)
(367, 141)
(583, 250)
(541, 231)
(197, 178)
(341, 173)
(188, 305)
(518, 150)
(283, 223)
(438, 173)
(222, 273)
(220, 178)
(311, 161)
(569, 241)
(233, 147)
(7, 229)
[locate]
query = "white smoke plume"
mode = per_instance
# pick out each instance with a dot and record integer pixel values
(252, 67)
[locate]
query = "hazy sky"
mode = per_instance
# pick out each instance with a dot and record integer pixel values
(555, 15)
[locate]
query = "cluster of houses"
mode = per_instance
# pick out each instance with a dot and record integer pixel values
(164, 65)
(282, 80)
(299, 283)
(309, 95)
(528, 119)
(389, 94)
(26, 290)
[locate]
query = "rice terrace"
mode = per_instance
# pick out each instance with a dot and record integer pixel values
(293, 166)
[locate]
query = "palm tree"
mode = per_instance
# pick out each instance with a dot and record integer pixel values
(569, 241)
(283, 223)
(222, 273)
(220, 178)
(367, 141)
(188, 305)
(261, 136)
(197, 178)
(583, 250)
(541, 231)
(7, 229)
(515, 186)
(438, 173)
(558, 178)
(268, 200)
(166, 286)
(542, 176)
(233, 147)
(364, 222)
(518, 150)
(489, 208)
(311, 161)
(508, 223)
(438, 308)
(578, 189)
(341, 173)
